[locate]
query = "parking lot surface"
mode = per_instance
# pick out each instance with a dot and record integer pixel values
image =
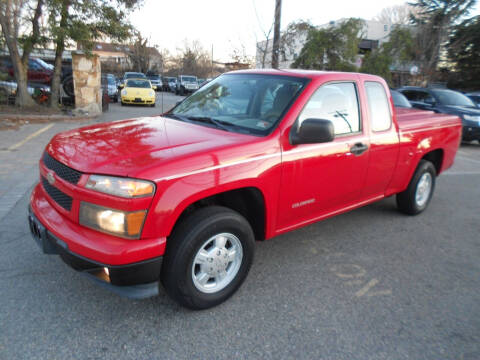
(369, 284)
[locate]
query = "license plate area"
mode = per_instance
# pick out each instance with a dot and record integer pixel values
(39, 234)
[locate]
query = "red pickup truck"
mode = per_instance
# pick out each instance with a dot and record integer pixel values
(179, 199)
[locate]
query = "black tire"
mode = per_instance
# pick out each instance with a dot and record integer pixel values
(406, 200)
(68, 85)
(185, 242)
(153, 105)
(182, 91)
(115, 99)
(123, 104)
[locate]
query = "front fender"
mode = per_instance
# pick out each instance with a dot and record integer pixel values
(175, 195)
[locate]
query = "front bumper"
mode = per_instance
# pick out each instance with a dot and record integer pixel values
(137, 100)
(137, 281)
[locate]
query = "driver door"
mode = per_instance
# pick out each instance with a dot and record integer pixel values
(320, 179)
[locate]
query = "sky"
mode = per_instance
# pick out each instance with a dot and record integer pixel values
(226, 25)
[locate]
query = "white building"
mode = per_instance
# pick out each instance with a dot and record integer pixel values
(374, 34)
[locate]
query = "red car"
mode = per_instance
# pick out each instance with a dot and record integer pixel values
(38, 70)
(179, 199)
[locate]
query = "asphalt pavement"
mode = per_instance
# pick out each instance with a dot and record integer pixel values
(369, 284)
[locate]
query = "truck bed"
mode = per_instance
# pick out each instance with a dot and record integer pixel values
(418, 120)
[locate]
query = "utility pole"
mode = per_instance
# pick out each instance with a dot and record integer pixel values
(276, 33)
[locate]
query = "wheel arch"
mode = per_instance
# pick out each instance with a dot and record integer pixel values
(436, 157)
(248, 201)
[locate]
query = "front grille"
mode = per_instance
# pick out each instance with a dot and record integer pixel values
(62, 171)
(57, 195)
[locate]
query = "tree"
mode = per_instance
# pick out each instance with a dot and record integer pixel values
(434, 20)
(139, 54)
(83, 22)
(12, 17)
(332, 48)
(397, 53)
(193, 59)
(396, 15)
(293, 37)
(239, 55)
(464, 53)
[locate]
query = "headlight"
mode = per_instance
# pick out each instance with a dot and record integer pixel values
(123, 187)
(125, 224)
(152, 93)
(124, 92)
(472, 117)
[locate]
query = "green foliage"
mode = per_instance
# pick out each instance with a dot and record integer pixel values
(333, 48)
(464, 51)
(378, 62)
(86, 21)
(434, 21)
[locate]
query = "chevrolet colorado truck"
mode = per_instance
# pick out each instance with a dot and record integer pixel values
(179, 199)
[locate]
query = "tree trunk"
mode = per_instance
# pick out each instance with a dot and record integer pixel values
(9, 23)
(59, 48)
(57, 76)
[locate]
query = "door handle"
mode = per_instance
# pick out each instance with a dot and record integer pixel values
(358, 149)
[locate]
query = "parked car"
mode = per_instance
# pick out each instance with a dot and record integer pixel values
(110, 85)
(132, 75)
(166, 82)
(399, 100)
(475, 97)
(186, 84)
(181, 198)
(156, 81)
(38, 70)
(105, 93)
(8, 92)
(446, 101)
(172, 85)
(138, 91)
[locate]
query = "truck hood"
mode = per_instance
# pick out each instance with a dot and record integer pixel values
(129, 147)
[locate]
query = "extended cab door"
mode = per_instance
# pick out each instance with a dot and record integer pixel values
(319, 179)
(384, 140)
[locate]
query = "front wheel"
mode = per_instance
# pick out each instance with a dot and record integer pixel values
(208, 257)
(419, 192)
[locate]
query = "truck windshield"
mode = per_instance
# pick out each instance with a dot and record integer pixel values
(188, 79)
(449, 97)
(248, 103)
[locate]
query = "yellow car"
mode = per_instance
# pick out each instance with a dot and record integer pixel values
(138, 91)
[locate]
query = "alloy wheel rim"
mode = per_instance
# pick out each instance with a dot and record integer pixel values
(424, 187)
(217, 262)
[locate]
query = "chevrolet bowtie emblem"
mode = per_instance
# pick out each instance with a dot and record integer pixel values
(50, 178)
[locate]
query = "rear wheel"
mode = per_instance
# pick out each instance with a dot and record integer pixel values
(208, 257)
(419, 192)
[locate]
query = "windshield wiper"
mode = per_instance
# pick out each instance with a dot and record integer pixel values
(218, 123)
(224, 125)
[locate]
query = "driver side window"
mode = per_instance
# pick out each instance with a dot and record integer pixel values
(337, 102)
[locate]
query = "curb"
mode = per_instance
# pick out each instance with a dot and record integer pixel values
(45, 118)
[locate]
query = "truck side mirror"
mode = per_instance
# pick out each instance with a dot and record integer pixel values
(312, 131)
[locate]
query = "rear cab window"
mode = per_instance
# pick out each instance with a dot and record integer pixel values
(378, 106)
